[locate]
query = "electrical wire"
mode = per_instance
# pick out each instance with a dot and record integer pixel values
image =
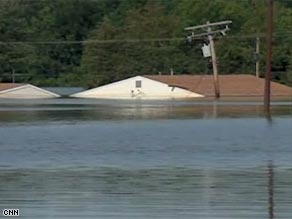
(84, 42)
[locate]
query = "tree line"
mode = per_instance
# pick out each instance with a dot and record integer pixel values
(94, 42)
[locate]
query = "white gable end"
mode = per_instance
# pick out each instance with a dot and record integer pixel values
(137, 87)
(27, 92)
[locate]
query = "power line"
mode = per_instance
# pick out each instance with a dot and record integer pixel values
(108, 0)
(176, 39)
(92, 41)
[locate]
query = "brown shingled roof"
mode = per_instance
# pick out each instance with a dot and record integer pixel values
(230, 85)
(7, 86)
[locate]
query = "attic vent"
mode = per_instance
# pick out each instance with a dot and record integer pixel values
(138, 84)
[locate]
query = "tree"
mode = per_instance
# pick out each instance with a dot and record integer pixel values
(127, 31)
(103, 63)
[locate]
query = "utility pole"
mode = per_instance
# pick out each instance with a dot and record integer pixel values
(271, 190)
(214, 62)
(209, 33)
(13, 75)
(270, 19)
(257, 57)
(171, 72)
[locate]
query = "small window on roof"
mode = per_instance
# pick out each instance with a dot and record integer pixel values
(138, 84)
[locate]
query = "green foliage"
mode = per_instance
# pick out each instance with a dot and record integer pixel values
(115, 61)
(130, 39)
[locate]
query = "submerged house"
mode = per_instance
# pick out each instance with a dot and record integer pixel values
(237, 85)
(24, 91)
(186, 86)
(138, 87)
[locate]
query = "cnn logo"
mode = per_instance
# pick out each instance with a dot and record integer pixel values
(11, 212)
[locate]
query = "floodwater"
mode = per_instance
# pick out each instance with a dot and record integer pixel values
(71, 158)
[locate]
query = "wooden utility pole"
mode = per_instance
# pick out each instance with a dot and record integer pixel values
(13, 75)
(257, 57)
(214, 63)
(210, 34)
(270, 20)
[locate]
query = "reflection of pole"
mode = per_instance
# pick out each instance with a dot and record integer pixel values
(267, 98)
(271, 190)
(215, 110)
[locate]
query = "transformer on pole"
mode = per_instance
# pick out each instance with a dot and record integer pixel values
(210, 33)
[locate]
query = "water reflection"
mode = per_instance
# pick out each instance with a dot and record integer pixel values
(90, 110)
(271, 189)
(103, 159)
(144, 193)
